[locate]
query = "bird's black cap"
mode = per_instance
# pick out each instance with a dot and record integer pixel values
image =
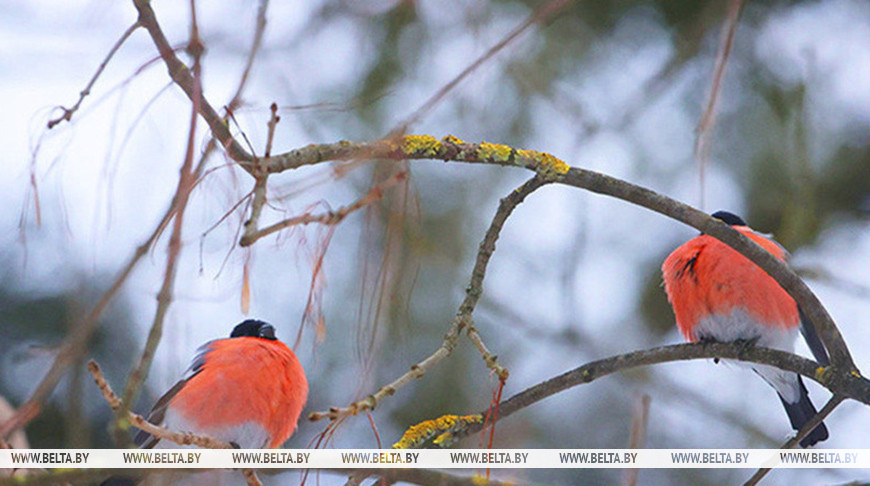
(729, 218)
(254, 328)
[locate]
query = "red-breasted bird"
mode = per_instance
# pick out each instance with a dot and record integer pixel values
(720, 295)
(247, 390)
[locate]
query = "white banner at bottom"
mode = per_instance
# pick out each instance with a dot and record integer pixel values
(432, 458)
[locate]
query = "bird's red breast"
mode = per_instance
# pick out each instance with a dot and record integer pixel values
(704, 277)
(246, 379)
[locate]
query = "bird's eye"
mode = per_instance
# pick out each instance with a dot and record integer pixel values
(267, 332)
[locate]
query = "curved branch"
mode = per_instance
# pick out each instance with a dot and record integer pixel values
(849, 385)
(182, 76)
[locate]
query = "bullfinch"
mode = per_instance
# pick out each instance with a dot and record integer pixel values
(247, 390)
(720, 295)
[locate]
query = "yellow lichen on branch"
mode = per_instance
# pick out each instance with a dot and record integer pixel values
(439, 431)
(545, 164)
(449, 148)
(423, 145)
(452, 148)
(453, 140)
(496, 152)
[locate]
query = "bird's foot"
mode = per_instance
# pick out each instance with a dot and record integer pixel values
(746, 344)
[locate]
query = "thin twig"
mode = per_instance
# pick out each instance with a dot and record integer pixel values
(461, 322)
(260, 180)
(251, 477)
(808, 427)
(329, 218)
(708, 120)
(259, 30)
(273, 122)
(68, 112)
(484, 253)
(257, 203)
(182, 76)
(539, 16)
(637, 433)
(111, 397)
(186, 181)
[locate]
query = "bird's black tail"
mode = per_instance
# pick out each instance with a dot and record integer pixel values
(800, 412)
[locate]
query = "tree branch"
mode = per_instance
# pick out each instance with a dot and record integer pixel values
(847, 385)
(74, 345)
(808, 427)
(704, 131)
(68, 112)
(186, 182)
(329, 218)
(182, 76)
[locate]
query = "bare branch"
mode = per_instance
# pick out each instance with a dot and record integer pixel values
(539, 16)
(847, 385)
(186, 182)
(257, 204)
(273, 122)
(68, 112)
(484, 253)
(704, 136)
(251, 477)
(182, 76)
(329, 218)
(637, 433)
(74, 345)
(236, 100)
(808, 427)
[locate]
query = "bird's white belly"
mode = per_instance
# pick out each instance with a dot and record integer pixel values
(739, 325)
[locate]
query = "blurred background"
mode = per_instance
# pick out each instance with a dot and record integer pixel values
(617, 87)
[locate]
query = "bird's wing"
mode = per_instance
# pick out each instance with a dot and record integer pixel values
(813, 341)
(143, 439)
